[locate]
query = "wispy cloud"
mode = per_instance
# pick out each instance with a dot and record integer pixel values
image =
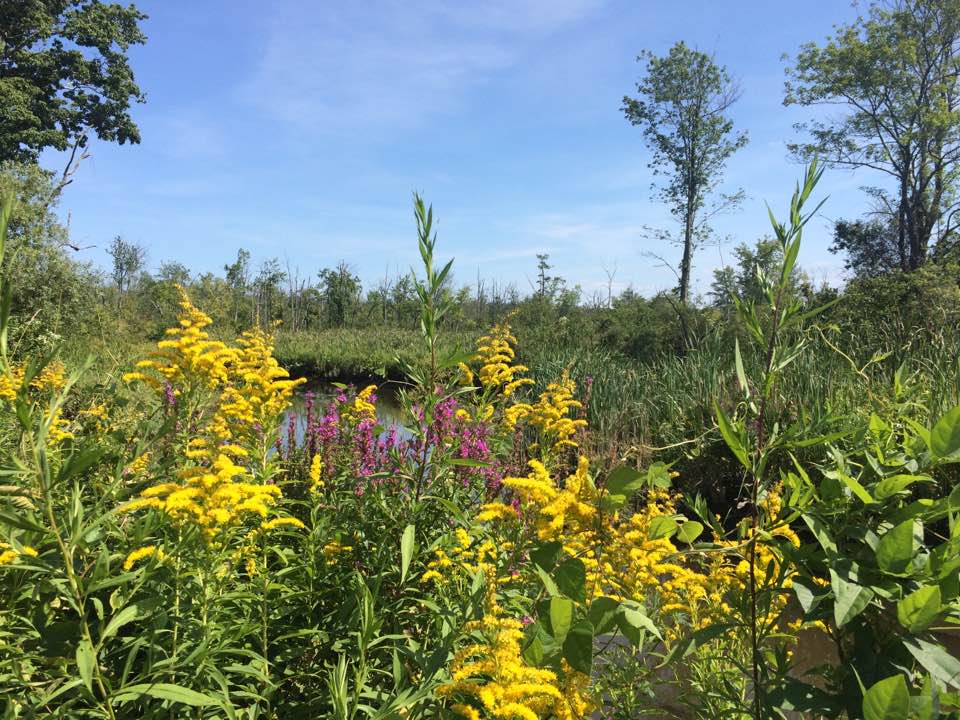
(389, 64)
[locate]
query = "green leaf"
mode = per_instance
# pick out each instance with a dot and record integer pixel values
(943, 666)
(537, 644)
(821, 533)
(635, 618)
(578, 647)
(407, 543)
(917, 611)
(571, 579)
(849, 599)
(561, 617)
(731, 437)
(696, 639)
(856, 488)
(128, 614)
(741, 373)
(546, 555)
(662, 526)
(689, 531)
(945, 436)
(888, 699)
(658, 476)
(898, 546)
(896, 484)
(624, 480)
(164, 691)
(603, 614)
(86, 659)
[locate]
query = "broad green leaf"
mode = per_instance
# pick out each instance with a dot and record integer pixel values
(603, 614)
(571, 579)
(86, 659)
(546, 555)
(407, 543)
(164, 691)
(943, 666)
(636, 618)
(689, 531)
(890, 486)
(578, 647)
(898, 546)
(888, 699)
(849, 599)
(945, 436)
(917, 611)
(695, 640)
(731, 437)
(662, 526)
(561, 617)
(536, 642)
(658, 476)
(624, 480)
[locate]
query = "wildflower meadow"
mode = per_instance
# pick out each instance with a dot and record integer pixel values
(175, 545)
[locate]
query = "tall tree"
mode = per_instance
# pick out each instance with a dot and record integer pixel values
(681, 107)
(64, 73)
(341, 292)
(128, 260)
(896, 72)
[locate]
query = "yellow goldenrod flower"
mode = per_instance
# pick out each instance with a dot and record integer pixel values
(147, 551)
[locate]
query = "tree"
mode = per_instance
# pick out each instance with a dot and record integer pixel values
(64, 73)
(896, 73)
(872, 247)
(752, 264)
(238, 278)
(681, 108)
(341, 292)
(128, 260)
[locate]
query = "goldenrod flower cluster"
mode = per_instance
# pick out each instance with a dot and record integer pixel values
(315, 474)
(249, 392)
(334, 549)
(464, 555)
(51, 378)
(210, 498)
(495, 355)
(361, 408)
(143, 553)
(58, 431)
(10, 382)
(9, 554)
(550, 415)
(138, 466)
(490, 679)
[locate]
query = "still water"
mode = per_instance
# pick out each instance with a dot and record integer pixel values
(389, 412)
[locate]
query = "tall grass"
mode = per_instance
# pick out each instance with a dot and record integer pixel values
(350, 353)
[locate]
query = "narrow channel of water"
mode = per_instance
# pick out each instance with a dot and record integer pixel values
(389, 412)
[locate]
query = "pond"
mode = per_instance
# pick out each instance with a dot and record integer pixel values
(389, 412)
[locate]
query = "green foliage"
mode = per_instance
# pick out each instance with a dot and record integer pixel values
(682, 110)
(64, 74)
(895, 71)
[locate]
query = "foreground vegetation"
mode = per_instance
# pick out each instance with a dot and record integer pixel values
(167, 553)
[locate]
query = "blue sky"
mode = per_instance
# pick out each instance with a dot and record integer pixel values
(299, 129)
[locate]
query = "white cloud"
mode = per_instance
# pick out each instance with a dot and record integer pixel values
(388, 64)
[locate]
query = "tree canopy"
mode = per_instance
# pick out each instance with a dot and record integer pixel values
(64, 74)
(681, 107)
(896, 73)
